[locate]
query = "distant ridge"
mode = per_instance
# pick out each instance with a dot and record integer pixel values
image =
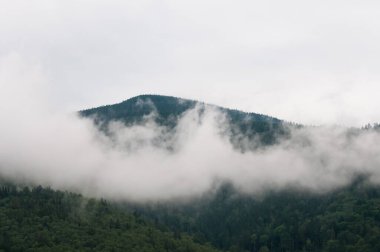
(168, 109)
(162, 104)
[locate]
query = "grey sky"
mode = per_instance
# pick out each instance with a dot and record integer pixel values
(306, 61)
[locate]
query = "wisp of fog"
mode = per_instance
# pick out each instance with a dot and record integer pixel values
(146, 161)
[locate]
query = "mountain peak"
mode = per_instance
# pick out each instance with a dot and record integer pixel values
(168, 110)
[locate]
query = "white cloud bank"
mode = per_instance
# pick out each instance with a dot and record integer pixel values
(40, 146)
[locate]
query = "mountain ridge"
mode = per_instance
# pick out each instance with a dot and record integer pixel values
(263, 129)
(172, 99)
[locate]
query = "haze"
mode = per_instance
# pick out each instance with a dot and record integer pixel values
(309, 62)
(40, 146)
(306, 62)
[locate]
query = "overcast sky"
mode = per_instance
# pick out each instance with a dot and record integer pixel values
(314, 62)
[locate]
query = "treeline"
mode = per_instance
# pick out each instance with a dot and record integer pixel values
(41, 219)
(375, 126)
(344, 220)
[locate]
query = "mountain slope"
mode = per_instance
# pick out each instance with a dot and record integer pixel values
(166, 106)
(343, 220)
(168, 110)
(40, 219)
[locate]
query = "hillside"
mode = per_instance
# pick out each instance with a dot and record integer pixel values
(34, 218)
(168, 110)
(346, 219)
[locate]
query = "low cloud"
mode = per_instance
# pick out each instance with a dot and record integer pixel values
(147, 161)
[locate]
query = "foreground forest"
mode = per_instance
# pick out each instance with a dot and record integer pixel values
(42, 219)
(347, 219)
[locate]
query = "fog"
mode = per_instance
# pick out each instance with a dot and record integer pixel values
(148, 162)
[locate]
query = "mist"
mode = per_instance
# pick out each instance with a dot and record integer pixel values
(149, 162)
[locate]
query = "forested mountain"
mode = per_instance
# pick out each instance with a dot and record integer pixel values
(167, 111)
(347, 219)
(167, 107)
(34, 218)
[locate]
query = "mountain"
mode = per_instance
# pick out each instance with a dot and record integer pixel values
(135, 108)
(168, 110)
(41, 219)
(347, 219)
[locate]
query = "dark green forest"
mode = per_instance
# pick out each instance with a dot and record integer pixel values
(41, 219)
(344, 220)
